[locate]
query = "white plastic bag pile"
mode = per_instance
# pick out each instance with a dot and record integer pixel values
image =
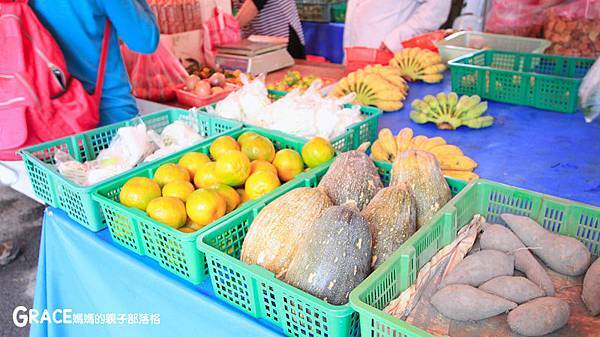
(589, 93)
(305, 115)
(129, 147)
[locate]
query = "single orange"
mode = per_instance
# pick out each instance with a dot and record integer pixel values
(262, 165)
(261, 183)
(232, 168)
(243, 196)
(168, 210)
(288, 163)
(192, 161)
(222, 145)
(187, 229)
(231, 196)
(259, 147)
(206, 176)
(167, 173)
(138, 192)
(178, 189)
(205, 206)
(317, 151)
(246, 136)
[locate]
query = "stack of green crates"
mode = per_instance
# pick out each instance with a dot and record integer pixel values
(258, 292)
(548, 82)
(483, 197)
(57, 191)
(173, 250)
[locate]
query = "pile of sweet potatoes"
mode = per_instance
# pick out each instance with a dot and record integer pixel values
(483, 285)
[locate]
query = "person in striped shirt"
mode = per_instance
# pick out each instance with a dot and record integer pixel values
(273, 18)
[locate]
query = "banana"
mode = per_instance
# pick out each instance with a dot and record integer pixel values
(417, 142)
(446, 150)
(461, 175)
(378, 153)
(433, 142)
(433, 69)
(458, 163)
(433, 78)
(474, 112)
(389, 105)
(480, 122)
(388, 142)
(403, 139)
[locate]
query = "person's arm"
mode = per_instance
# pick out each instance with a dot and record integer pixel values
(134, 23)
(429, 16)
(249, 11)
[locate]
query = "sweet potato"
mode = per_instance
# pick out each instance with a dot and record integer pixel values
(539, 317)
(503, 239)
(513, 288)
(591, 288)
(466, 303)
(563, 254)
(480, 267)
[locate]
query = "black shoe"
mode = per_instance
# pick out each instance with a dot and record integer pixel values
(8, 252)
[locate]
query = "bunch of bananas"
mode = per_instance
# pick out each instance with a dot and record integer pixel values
(448, 112)
(377, 85)
(452, 160)
(419, 64)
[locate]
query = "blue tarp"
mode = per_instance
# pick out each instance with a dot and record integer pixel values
(324, 39)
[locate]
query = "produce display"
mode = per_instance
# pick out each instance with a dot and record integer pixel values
(203, 88)
(233, 77)
(451, 159)
(448, 112)
(377, 85)
(473, 278)
(295, 80)
(305, 115)
(325, 240)
(419, 64)
(200, 189)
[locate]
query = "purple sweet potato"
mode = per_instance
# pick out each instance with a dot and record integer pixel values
(591, 288)
(462, 302)
(480, 267)
(503, 239)
(540, 316)
(563, 254)
(513, 288)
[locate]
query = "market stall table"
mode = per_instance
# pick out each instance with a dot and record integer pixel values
(539, 150)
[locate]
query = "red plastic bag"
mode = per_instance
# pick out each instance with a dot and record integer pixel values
(425, 41)
(360, 57)
(222, 28)
(574, 28)
(517, 17)
(155, 76)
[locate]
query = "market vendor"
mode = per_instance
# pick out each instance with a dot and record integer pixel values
(78, 27)
(386, 23)
(273, 18)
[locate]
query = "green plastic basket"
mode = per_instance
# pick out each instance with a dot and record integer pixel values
(483, 197)
(58, 191)
(356, 134)
(174, 250)
(258, 292)
(338, 12)
(548, 82)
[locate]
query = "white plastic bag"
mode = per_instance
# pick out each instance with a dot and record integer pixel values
(589, 93)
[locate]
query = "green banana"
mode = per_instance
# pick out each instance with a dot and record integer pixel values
(449, 112)
(480, 122)
(474, 112)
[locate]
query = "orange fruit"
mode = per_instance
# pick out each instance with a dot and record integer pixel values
(288, 164)
(191, 224)
(167, 173)
(246, 136)
(243, 195)
(206, 176)
(138, 192)
(205, 206)
(259, 147)
(261, 183)
(186, 229)
(168, 210)
(178, 189)
(232, 168)
(232, 198)
(222, 145)
(191, 161)
(317, 151)
(262, 165)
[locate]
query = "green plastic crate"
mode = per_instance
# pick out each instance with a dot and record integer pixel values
(338, 12)
(58, 191)
(548, 82)
(356, 134)
(258, 292)
(315, 10)
(483, 197)
(174, 250)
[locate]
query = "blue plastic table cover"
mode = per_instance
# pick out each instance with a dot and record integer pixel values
(543, 151)
(324, 39)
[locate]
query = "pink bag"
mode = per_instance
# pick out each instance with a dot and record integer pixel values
(222, 28)
(517, 17)
(574, 28)
(155, 76)
(39, 100)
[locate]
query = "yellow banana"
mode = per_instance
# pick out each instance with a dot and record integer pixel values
(434, 69)
(403, 139)
(434, 78)
(458, 163)
(462, 175)
(446, 150)
(387, 141)
(389, 105)
(433, 142)
(378, 153)
(417, 142)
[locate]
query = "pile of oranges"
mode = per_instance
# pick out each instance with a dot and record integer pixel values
(200, 189)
